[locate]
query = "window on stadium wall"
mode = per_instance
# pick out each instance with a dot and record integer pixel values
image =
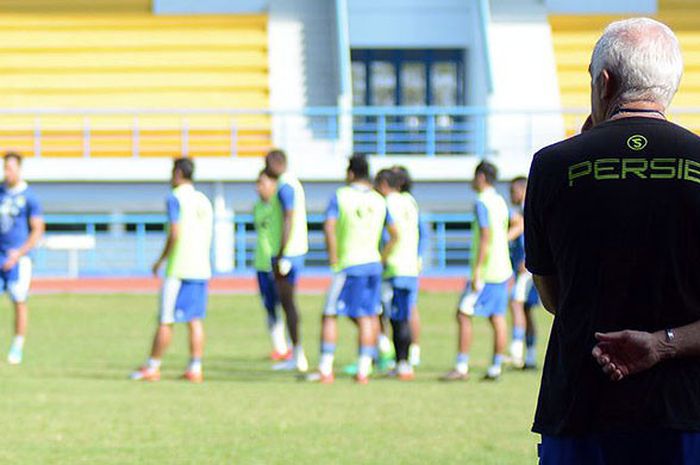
(409, 78)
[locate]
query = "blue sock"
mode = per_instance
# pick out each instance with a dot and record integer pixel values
(530, 340)
(518, 334)
(327, 348)
(462, 357)
(369, 351)
(498, 360)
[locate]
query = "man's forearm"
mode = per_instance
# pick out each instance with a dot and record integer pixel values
(391, 243)
(32, 240)
(685, 342)
(483, 250)
(548, 288)
(286, 228)
(331, 245)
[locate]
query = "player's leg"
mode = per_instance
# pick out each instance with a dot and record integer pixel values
(150, 371)
(385, 347)
(402, 304)
(329, 331)
(414, 349)
(19, 280)
(287, 299)
(275, 325)
(194, 369)
(363, 299)
(286, 288)
(329, 339)
(192, 309)
(531, 330)
(500, 336)
(517, 309)
(494, 305)
(465, 310)
(367, 342)
(402, 341)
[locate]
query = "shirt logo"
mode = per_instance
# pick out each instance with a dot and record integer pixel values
(637, 142)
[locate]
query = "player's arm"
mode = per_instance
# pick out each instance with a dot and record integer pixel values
(548, 288)
(482, 220)
(286, 198)
(173, 209)
(331, 241)
(516, 226)
(36, 231)
(393, 231)
(624, 353)
(484, 237)
(329, 229)
(37, 227)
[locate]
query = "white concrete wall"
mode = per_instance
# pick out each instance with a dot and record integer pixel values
(423, 24)
(525, 79)
(303, 72)
(648, 7)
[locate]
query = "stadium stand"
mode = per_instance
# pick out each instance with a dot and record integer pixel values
(120, 56)
(574, 37)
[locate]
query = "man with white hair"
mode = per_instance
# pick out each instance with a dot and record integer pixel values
(611, 237)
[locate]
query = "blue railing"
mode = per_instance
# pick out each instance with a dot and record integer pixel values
(426, 130)
(407, 130)
(128, 244)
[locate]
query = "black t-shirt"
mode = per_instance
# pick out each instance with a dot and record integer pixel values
(615, 214)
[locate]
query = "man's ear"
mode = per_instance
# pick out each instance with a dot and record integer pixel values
(608, 85)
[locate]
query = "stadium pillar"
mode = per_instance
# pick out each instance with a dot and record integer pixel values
(223, 232)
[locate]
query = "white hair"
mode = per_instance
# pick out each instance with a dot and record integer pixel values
(644, 56)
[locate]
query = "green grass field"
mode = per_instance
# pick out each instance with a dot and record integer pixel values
(71, 401)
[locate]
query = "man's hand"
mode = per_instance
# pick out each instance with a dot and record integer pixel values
(13, 257)
(276, 267)
(625, 353)
(476, 281)
(156, 267)
(588, 124)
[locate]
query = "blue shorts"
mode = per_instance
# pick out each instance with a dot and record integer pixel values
(643, 448)
(403, 297)
(354, 296)
(533, 298)
(268, 290)
(16, 280)
(491, 300)
(297, 264)
(182, 301)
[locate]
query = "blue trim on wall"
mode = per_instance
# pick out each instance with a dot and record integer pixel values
(177, 7)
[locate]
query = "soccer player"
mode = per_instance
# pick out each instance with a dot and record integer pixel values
(289, 242)
(405, 184)
(614, 254)
(522, 279)
(401, 268)
(21, 228)
(262, 211)
(486, 294)
(524, 295)
(355, 218)
(184, 292)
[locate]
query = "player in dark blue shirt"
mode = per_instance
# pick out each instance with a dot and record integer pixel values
(21, 228)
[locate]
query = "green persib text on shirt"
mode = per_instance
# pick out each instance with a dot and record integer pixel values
(603, 169)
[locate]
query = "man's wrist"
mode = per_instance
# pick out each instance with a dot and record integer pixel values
(666, 344)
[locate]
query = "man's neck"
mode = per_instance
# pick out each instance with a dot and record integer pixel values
(636, 109)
